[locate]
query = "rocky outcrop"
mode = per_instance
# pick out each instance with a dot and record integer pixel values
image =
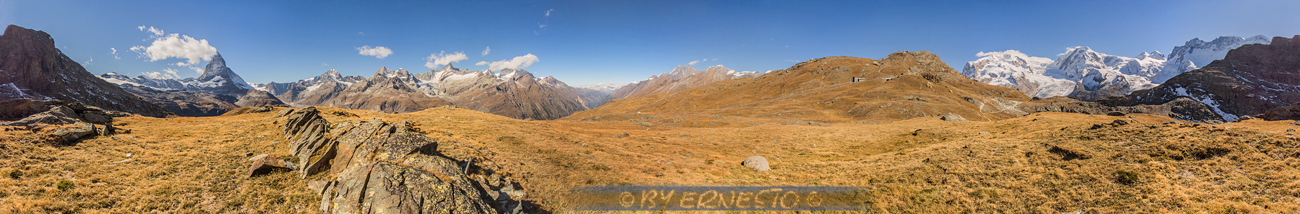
(1181, 108)
(1250, 80)
(379, 167)
(1291, 112)
(31, 67)
(23, 112)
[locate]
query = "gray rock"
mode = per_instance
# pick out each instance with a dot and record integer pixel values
(69, 135)
(757, 163)
(952, 117)
(262, 109)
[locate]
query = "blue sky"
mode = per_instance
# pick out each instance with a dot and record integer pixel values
(585, 42)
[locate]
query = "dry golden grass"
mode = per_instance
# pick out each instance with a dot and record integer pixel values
(920, 165)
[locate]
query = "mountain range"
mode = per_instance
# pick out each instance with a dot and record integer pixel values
(216, 92)
(509, 92)
(1088, 75)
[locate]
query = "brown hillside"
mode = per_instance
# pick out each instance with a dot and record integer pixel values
(1040, 163)
(904, 85)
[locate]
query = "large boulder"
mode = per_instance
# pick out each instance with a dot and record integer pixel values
(73, 134)
(757, 163)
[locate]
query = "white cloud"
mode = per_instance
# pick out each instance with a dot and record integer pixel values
(692, 63)
(155, 31)
(154, 75)
(114, 53)
(715, 59)
(548, 12)
(141, 27)
(487, 50)
(377, 51)
(361, 33)
(92, 59)
(197, 69)
(480, 63)
(442, 58)
(518, 62)
(540, 25)
(176, 46)
(324, 64)
(171, 74)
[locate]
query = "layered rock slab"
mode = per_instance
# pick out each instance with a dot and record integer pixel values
(377, 167)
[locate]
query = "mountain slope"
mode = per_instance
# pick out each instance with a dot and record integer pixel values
(1249, 80)
(1089, 75)
(901, 86)
(681, 78)
(31, 67)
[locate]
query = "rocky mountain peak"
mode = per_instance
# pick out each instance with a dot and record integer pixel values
(332, 74)
(448, 67)
(29, 39)
(1150, 55)
(399, 73)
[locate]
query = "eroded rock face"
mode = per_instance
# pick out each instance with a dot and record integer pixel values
(306, 131)
(380, 168)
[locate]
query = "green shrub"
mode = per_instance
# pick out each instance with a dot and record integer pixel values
(1126, 177)
(64, 185)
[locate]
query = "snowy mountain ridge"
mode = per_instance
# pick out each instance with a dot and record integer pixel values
(1083, 73)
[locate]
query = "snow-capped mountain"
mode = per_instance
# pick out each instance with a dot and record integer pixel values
(1196, 53)
(216, 78)
(215, 92)
(1250, 80)
(606, 87)
(1083, 73)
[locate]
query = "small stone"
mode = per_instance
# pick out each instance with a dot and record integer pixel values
(266, 165)
(984, 132)
(621, 136)
(129, 155)
(248, 154)
(757, 163)
(258, 157)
